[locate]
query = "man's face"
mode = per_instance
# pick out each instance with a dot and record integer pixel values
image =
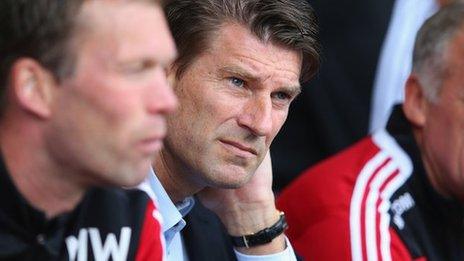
(443, 132)
(108, 118)
(233, 100)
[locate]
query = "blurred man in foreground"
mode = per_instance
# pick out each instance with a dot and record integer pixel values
(84, 99)
(398, 194)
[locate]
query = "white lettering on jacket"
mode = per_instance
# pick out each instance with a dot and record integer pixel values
(404, 203)
(77, 247)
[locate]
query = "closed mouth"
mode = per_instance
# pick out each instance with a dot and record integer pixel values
(240, 146)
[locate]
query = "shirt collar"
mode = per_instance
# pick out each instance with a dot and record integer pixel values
(185, 206)
(172, 214)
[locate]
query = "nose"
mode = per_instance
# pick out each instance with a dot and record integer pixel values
(161, 97)
(256, 116)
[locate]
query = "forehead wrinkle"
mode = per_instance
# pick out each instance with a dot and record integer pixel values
(268, 53)
(254, 59)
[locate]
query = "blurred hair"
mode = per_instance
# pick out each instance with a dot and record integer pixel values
(431, 47)
(41, 30)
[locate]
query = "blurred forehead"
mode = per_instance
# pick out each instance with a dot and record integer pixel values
(120, 30)
(115, 17)
(92, 10)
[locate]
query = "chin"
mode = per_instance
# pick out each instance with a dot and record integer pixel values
(228, 185)
(231, 179)
(130, 177)
(132, 182)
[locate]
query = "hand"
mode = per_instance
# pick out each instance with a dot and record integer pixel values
(248, 209)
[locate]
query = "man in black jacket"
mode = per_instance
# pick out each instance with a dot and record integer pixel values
(84, 97)
(239, 68)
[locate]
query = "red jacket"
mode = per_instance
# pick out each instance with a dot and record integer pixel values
(373, 201)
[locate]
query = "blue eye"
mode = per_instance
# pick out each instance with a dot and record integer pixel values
(237, 82)
(282, 96)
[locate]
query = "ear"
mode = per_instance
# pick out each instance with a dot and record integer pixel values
(32, 86)
(415, 103)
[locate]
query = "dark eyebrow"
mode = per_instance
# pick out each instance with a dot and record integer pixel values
(294, 90)
(239, 72)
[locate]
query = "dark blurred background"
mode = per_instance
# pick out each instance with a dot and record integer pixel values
(333, 110)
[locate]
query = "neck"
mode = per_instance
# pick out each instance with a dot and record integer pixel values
(46, 185)
(174, 178)
(431, 169)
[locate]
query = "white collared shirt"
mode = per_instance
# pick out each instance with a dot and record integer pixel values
(173, 223)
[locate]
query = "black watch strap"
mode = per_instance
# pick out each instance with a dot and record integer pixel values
(263, 236)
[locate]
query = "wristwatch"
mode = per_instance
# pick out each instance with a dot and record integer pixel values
(263, 236)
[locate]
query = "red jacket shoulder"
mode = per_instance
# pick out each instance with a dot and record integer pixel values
(325, 190)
